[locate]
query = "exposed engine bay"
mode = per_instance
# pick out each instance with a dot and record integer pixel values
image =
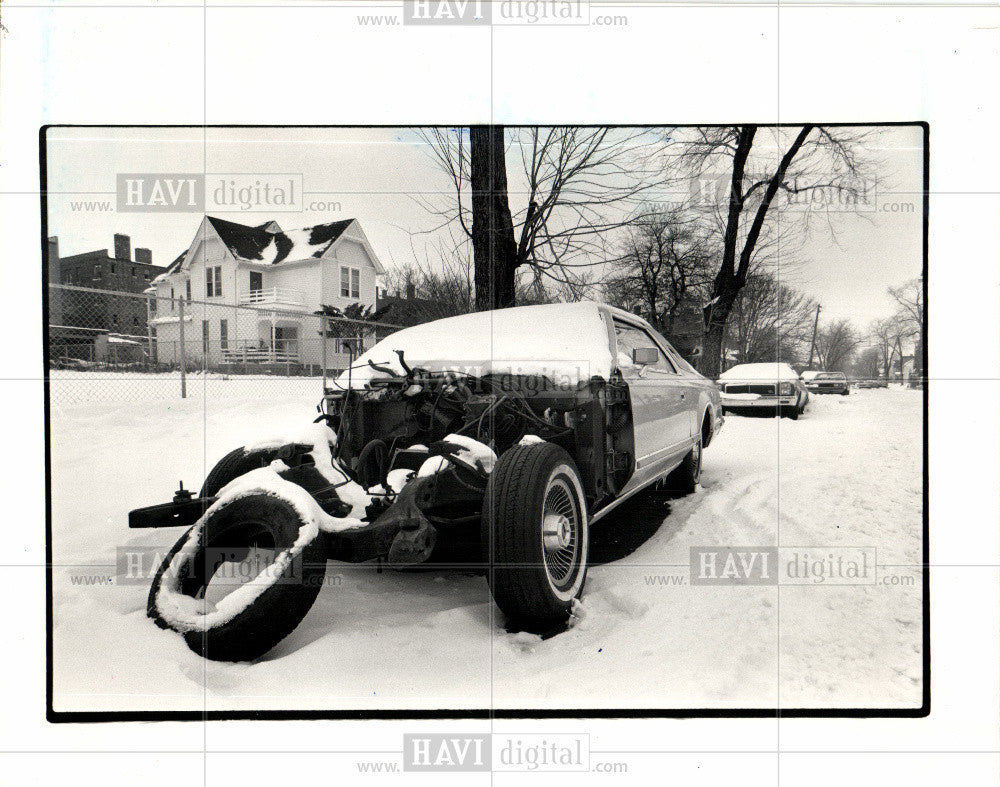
(399, 420)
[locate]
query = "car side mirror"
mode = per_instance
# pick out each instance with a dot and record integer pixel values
(645, 356)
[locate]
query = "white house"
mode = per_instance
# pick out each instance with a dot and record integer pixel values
(250, 293)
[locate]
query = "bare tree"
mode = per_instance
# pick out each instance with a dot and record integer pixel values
(868, 364)
(909, 297)
(574, 187)
(910, 317)
(445, 288)
(888, 336)
(835, 345)
(769, 321)
(666, 263)
(758, 165)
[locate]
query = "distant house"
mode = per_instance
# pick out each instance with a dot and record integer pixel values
(251, 292)
(405, 311)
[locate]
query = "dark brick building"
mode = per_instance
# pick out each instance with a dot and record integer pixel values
(101, 270)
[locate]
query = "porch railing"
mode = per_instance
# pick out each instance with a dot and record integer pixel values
(250, 352)
(274, 295)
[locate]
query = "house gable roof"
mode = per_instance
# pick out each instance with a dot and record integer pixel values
(267, 244)
(173, 267)
(259, 244)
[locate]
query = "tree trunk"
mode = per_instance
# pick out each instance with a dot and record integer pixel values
(732, 275)
(493, 246)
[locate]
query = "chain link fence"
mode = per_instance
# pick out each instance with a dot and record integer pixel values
(111, 346)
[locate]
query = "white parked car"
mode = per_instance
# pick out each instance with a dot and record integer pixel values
(755, 386)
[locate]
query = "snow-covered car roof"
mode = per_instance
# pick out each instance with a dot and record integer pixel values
(760, 371)
(566, 342)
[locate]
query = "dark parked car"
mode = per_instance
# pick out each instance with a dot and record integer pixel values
(515, 429)
(829, 382)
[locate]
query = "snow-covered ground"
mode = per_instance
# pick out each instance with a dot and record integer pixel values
(848, 473)
(70, 387)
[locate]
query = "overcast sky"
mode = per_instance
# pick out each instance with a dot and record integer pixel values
(846, 263)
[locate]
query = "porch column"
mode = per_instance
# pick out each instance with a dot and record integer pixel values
(274, 319)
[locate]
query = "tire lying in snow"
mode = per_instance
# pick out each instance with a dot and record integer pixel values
(234, 464)
(534, 535)
(251, 617)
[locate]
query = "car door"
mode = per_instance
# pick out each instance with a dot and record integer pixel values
(660, 412)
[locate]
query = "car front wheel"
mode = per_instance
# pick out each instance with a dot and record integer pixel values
(535, 535)
(684, 479)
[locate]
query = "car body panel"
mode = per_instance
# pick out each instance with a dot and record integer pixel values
(670, 401)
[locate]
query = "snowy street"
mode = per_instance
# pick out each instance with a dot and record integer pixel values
(846, 474)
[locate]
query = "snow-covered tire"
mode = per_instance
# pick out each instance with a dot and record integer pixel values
(262, 520)
(684, 479)
(237, 462)
(535, 535)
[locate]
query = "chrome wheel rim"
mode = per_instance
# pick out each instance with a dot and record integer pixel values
(561, 533)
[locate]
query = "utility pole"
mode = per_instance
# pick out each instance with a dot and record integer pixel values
(812, 345)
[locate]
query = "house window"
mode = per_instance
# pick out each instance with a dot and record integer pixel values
(112, 268)
(145, 275)
(133, 271)
(204, 337)
(135, 321)
(187, 290)
(213, 281)
(97, 271)
(114, 320)
(171, 299)
(152, 305)
(286, 343)
(256, 281)
(350, 283)
(223, 335)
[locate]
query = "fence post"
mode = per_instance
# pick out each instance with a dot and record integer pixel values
(183, 358)
(322, 339)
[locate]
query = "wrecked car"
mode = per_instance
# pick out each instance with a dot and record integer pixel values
(516, 430)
